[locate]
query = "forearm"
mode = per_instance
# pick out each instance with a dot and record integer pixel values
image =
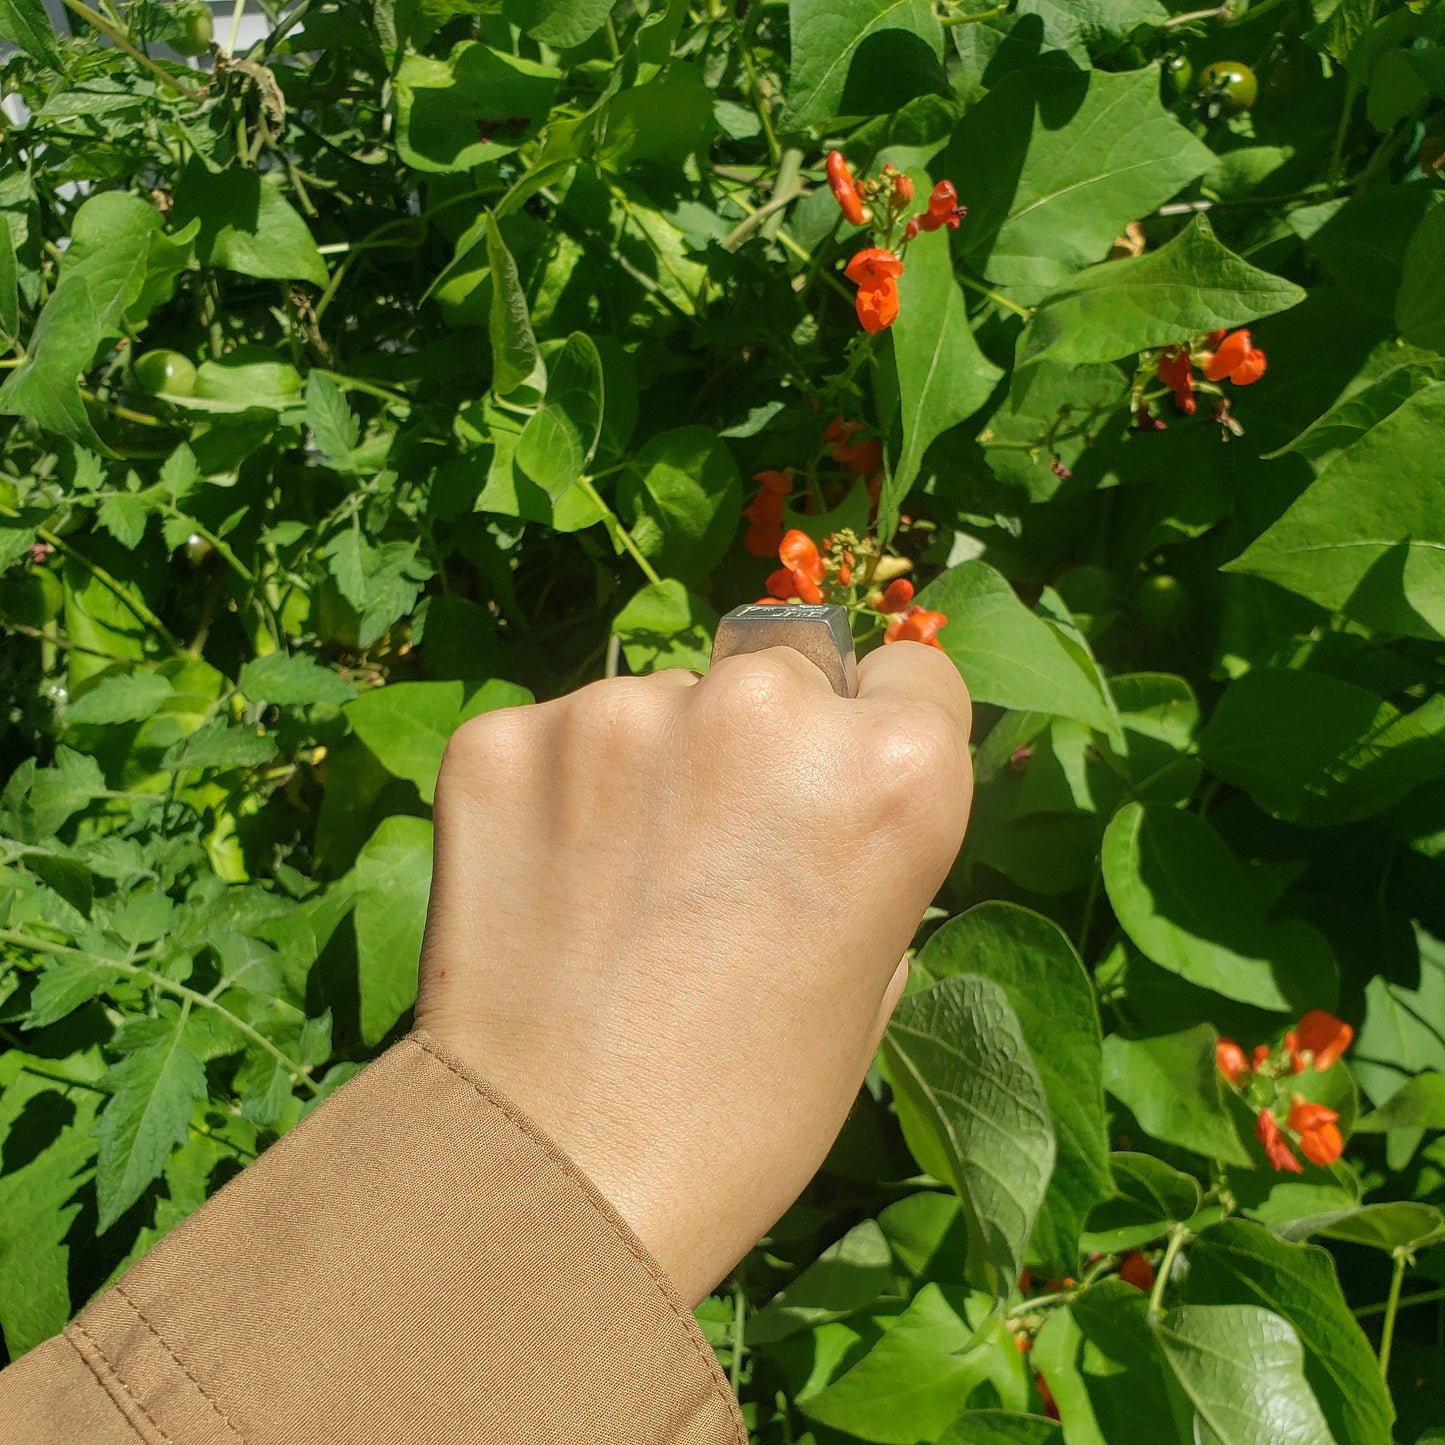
(416, 1261)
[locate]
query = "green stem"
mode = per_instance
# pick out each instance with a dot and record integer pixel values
(740, 1310)
(99, 21)
(1429, 1297)
(1215, 12)
(189, 996)
(1392, 1308)
(995, 297)
(975, 19)
(1177, 1236)
(760, 105)
(620, 532)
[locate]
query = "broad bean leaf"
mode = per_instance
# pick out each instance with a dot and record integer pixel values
(247, 225)
(1032, 961)
(1006, 653)
(153, 1088)
(1243, 1368)
(860, 57)
(848, 1276)
(1420, 305)
(392, 880)
(1000, 1427)
(407, 724)
(1418, 1103)
(514, 348)
(1077, 156)
(1171, 1084)
(682, 495)
(664, 625)
(974, 1108)
(559, 439)
(100, 277)
(913, 1383)
(1399, 1224)
(943, 378)
(1149, 1197)
(1314, 750)
(1184, 900)
(1372, 551)
(476, 106)
(1192, 284)
(1237, 1263)
(560, 23)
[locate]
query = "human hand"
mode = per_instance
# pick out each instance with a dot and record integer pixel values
(668, 914)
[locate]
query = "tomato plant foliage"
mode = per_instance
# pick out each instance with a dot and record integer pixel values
(420, 360)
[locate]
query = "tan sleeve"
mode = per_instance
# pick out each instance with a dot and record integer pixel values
(415, 1264)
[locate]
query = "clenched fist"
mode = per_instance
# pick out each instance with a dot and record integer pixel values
(668, 915)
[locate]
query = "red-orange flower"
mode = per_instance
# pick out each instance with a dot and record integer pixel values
(765, 514)
(1176, 371)
(1260, 1056)
(1136, 1270)
(802, 568)
(1235, 357)
(897, 596)
(845, 190)
(1230, 1059)
(1276, 1148)
(875, 273)
(861, 458)
(916, 625)
(1319, 1135)
(1320, 1038)
(943, 209)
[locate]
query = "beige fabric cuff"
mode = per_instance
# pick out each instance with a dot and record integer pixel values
(416, 1262)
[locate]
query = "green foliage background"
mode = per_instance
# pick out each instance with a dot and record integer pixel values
(492, 308)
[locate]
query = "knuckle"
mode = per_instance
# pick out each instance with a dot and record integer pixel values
(481, 744)
(614, 715)
(917, 756)
(757, 689)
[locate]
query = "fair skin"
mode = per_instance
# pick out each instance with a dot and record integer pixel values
(668, 916)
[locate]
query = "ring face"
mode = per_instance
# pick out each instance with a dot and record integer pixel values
(820, 633)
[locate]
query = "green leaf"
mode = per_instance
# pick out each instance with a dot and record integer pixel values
(1171, 1085)
(217, 744)
(297, 681)
(477, 105)
(64, 984)
(393, 881)
(1235, 1263)
(1149, 1197)
(1000, 1427)
(559, 23)
(153, 1091)
(1029, 957)
(100, 276)
(1189, 285)
(1244, 1370)
(1006, 654)
(682, 499)
(514, 348)
(972, 1103)
(9, 287)
(39, 801)
(407, 724)
(1419, 1103)
(943, 378)
(1401, 1224)
(912, 1384)
(26, 25)
(1184, 899)
(1368, 538)
(664, 625)
(1420, 305)
(1314, 750)
(334, 428)
(247, 225)
(560, 437)
(121, 697)
(847, 1277)
(666, 122)
(860, 57)
(1098, 151)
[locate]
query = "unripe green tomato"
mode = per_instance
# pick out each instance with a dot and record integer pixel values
(1232, 80)
(193, 31)
(1178, 75)
(1161, 602)
(164, 371)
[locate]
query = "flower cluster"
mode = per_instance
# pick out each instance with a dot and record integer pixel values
(881, 202)
(1316, 1042)
(1219, 356)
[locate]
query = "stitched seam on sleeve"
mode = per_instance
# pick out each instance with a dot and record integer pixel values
(181, 1365)
(112, 1381)
(689, 1326)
